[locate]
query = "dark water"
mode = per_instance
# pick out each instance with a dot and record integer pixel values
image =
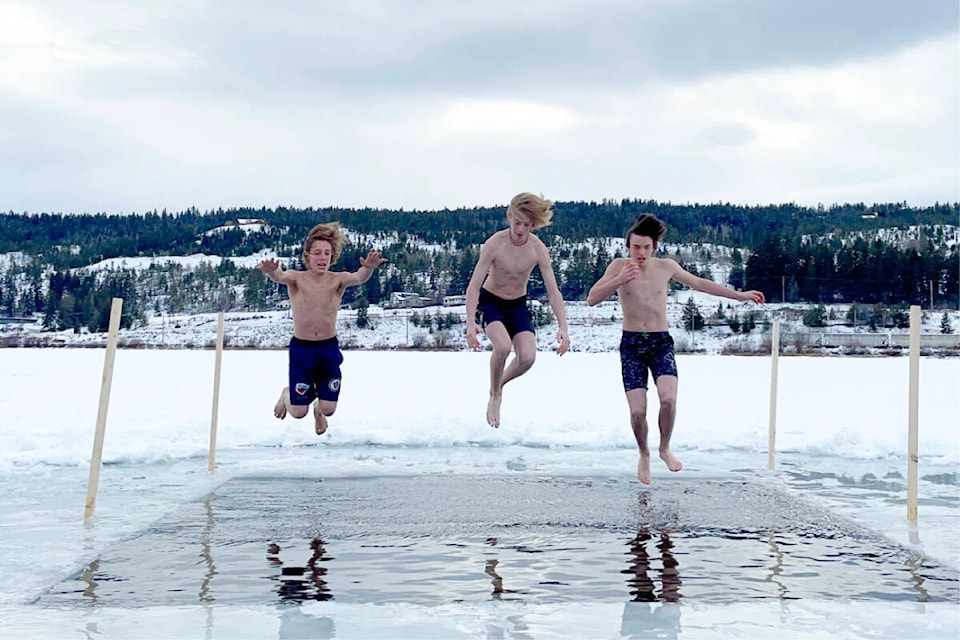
(432, 540)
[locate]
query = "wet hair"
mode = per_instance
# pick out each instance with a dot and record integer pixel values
(534, 207)
(647, 225)
(330, 232)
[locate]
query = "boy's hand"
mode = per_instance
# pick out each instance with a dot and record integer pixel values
(269, 265)
(473, 330)
(372, 261)
(563, 342)
(629, 271)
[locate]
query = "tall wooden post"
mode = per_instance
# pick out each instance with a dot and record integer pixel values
(216, 395)
(913, 458)
(94, 480)
(774, 356)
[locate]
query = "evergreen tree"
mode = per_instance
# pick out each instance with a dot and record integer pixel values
(736, 279)
(362, 321)
(816, 317)
(692, 318)
(945, 325)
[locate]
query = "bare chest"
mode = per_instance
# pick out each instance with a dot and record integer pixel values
(649, 289)
(313, 289)
(515, 261)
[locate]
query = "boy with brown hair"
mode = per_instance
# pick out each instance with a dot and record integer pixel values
(642, 282)
(315, 294)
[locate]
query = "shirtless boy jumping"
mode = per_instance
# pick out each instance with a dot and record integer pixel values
(642, 281)
(497, 295)
(315, 294)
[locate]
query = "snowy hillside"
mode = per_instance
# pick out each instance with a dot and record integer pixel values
(840, 330)
(592, 329)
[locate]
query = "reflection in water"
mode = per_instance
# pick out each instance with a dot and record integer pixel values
(490, 569)
(914, 565)
(206, 554)
(516, 628)
(642, 586)
(88, 577)
(776, 569)
(298, 584)
(641, 619)
(205, 596)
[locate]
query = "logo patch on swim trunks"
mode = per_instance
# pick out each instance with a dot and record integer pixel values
(334, 385)
(301, 388)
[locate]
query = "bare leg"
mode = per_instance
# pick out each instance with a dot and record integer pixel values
(525, 348)
(643, 468)
(667, 390)
(319, 420)
(637, 401)
(672, 463)
(284, 407)
(280, 409)
(493, 410)
(322, 409)
(498, 336)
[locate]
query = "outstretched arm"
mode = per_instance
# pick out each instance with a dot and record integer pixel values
(684, 277)
(272, 269)
(367, 266)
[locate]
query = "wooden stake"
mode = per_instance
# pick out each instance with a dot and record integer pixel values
(774, 355)
(92, 483)
(914, 411)
(216, 395)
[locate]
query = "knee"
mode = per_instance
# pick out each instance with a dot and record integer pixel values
(328, 408)
(299, 410)
(668, 402)
(525, 359)
(638, 414)
(501, 351)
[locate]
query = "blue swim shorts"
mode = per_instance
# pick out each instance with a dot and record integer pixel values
(512, 313)
(640, 351)
(314, 370)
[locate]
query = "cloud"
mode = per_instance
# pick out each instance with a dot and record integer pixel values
(430, 104)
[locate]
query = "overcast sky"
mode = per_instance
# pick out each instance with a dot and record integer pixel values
(123, 107)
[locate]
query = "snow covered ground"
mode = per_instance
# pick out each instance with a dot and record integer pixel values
(841, 444)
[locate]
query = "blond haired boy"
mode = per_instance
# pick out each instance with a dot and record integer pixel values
(497, 295)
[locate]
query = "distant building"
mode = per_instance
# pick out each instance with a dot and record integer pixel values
(454, 301)
(407, 299)
(244, 222)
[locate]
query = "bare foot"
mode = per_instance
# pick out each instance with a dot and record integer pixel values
(643, 468)
(493, 411)
(672, 463)
(319, 421)
(280, 410)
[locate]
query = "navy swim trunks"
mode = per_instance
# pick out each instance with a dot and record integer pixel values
(642, 350)
(512, 313)
(314, 370)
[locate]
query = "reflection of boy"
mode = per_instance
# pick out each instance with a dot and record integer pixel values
(315, 294)
(497, 295)
(642, 282)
